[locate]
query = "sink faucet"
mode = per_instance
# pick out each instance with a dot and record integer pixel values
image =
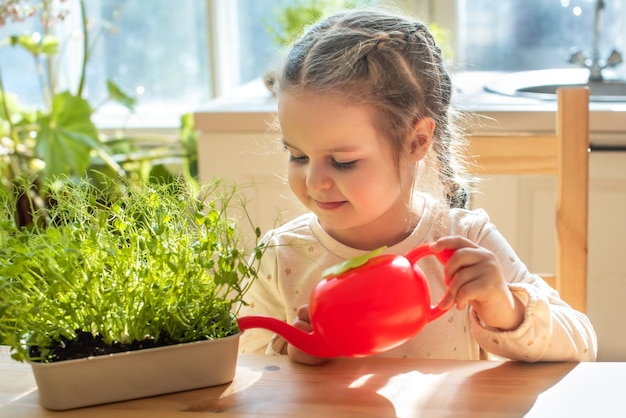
(594, 64)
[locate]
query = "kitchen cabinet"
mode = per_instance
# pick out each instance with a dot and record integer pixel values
(607, 243)
(237, 141)
(257, 163)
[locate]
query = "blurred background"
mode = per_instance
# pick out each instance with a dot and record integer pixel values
(175, 56)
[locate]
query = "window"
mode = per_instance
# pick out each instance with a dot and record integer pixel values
(176, 56)
(156, 51)
(245, 46)
(159, 50)
(517, 35)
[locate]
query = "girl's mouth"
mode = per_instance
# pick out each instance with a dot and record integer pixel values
(328, 205)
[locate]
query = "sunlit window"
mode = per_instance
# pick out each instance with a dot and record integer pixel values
(156, 51)
(175, 56)
(516, 35)
(255, 28)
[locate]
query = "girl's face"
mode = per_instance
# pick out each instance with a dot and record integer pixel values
(342, 170)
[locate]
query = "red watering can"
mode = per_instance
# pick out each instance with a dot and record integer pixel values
(364, 306)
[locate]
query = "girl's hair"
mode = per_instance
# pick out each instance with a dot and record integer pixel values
(392, 64)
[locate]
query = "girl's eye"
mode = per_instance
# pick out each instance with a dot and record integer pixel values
(339, 165)
(298, 159)
(344, 165)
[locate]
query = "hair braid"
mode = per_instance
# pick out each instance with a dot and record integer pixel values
(447, 157)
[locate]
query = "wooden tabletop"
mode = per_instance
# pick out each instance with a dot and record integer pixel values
(273, 386)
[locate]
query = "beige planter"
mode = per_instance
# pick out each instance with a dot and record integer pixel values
(136, 374)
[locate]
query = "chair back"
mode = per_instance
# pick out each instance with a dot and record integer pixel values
(565, 154)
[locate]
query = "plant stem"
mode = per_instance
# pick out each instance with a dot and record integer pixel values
(45, 90)
(83, 69)
(13, 166)
(5, 107)
(49, 83)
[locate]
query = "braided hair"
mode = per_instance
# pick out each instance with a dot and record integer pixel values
(392, 64)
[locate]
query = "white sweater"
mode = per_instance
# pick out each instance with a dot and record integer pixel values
(300, 250)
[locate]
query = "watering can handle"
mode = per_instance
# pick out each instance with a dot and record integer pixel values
(443, 256)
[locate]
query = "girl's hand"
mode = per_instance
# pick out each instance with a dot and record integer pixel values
(474, 276)
(303, 322)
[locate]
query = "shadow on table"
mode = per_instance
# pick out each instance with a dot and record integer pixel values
(509, 389)
(442, 389)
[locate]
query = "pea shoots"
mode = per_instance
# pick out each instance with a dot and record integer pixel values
(156, 262)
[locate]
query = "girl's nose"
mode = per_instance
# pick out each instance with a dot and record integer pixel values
(317, 177)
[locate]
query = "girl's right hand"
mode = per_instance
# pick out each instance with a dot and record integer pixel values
(303, 322)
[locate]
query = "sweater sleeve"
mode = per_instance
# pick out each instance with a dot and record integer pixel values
(551, 329)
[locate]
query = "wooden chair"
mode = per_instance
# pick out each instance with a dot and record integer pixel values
(564, 154)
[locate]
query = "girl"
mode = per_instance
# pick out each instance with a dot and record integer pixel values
(364, 112)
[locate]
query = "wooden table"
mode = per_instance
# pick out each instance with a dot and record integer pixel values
(273, 386)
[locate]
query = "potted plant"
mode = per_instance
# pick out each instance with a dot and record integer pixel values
(119, 296)
(58, 137)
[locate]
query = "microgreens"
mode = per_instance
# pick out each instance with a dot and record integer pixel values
(156, 261)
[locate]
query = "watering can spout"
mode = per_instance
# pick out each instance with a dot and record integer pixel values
(308, 342)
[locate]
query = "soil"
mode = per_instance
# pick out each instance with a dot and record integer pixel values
(87, 345)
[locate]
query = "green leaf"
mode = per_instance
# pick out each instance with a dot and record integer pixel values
(37, 44)
(116, 93)
(12, 104)
(352, 263)
(67, 136)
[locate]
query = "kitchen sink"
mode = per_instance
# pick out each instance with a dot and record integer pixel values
(542, 84)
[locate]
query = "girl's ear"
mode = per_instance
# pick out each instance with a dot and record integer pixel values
(420, 138)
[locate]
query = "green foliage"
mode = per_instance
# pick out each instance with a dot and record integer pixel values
(149, 262)
(45, 45)
(66, 136)
(61, 135)
(293, 19)
(60, 138)
(442, 38)
(115, 93)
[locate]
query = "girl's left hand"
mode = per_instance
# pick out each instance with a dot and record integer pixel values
(473, 275)
(303, 322)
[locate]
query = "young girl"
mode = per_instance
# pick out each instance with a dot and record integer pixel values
(364, 112)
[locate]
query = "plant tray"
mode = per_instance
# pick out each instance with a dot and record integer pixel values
(136, 374)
